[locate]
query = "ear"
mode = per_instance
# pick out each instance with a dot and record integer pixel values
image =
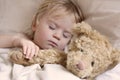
(34, 23)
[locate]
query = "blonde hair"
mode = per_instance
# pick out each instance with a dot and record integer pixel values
(49, 6)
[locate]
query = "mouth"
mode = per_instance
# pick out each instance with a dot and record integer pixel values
(52, 43)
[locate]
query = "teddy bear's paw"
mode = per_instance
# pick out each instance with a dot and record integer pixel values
(48, 56)
(51, 56)
(16, 56)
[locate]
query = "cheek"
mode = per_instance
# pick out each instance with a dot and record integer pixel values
(64, 43)
(43, 35)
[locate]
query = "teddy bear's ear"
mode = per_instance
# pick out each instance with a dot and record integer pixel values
(81, 28)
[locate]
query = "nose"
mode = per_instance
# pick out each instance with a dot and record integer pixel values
(57, 35)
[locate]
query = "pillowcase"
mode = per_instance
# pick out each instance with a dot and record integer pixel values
(113, 74)
(17, 15)
(103, 15)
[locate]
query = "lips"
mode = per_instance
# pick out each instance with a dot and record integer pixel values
(52, 43)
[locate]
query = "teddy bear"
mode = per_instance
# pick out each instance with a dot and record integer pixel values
(87, 45)
(94, 49)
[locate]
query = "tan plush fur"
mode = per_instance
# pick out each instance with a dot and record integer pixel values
(49, 56)
(93, 49)
(87, 45)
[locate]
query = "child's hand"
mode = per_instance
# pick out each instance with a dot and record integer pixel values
(29, 48)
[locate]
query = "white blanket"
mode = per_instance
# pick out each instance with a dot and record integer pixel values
(9, 71)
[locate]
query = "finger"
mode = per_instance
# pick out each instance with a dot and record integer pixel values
(24, 50)
(28, 52)
(32, 53)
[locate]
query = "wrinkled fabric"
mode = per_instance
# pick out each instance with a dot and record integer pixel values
(103, 15)
(17, 15)
(113, 74)
(10, 71)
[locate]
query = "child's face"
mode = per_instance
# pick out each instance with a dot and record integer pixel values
(53, 31)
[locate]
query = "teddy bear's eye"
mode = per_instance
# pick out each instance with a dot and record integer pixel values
(81, 50)
(92, 63)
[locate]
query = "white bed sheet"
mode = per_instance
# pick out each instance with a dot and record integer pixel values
(9, 71)
(113, 74)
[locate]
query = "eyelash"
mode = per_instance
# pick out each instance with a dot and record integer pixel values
(67, 36)
(52, 27)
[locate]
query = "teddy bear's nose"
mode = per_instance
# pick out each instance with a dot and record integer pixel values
(80, 65)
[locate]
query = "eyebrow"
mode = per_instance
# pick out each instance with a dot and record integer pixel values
(59, 26)
(54, 22)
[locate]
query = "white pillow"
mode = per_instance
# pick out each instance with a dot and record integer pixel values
(17, 15)
(104, 15)
(113, 74)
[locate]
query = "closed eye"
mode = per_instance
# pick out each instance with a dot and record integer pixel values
(67, 35)
(52, 27)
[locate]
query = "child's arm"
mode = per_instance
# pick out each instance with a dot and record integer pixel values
(19, 40)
